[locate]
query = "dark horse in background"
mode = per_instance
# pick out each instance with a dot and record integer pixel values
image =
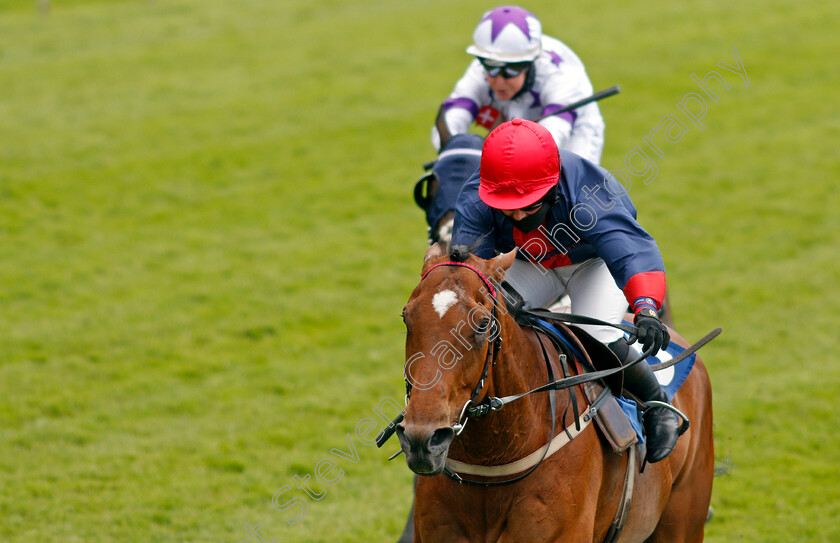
(437, 191)
(575, 494)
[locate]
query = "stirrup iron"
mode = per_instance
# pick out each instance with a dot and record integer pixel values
(685, 422)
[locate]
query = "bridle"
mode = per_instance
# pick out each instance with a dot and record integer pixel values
(489, 360)
(569, 381)
(491, 404)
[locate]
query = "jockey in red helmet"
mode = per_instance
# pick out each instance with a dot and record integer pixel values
(577, 234)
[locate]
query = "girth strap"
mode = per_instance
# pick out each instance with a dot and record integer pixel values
(626, 497)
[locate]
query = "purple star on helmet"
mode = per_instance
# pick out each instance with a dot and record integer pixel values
(506, 15)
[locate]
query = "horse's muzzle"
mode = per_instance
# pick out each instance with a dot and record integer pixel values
(425, 450)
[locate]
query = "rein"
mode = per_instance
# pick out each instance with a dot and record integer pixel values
(580, 319)
(597, 375)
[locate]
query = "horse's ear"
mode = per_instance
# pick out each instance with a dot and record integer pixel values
(432, 252)
(500, 264)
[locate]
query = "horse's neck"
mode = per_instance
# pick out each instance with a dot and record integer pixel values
(519, 366)
(521, 425)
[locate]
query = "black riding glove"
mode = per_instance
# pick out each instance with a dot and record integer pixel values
(651, 331)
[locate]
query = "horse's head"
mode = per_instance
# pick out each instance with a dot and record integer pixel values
(453, 319)
(437, 191)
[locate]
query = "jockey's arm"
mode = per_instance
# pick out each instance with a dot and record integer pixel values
(458, 121)
(473, 225)
(462, 105)
(632, 257)
(561, 130)
(630, 252)
(581, 130)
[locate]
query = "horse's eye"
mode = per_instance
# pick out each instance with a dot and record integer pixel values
(402, 315)
(484, 325)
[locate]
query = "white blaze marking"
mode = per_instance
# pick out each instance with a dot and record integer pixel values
(443, 300)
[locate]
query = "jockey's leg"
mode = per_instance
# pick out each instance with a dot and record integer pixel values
(537, 286)
(594, 293)
(661, 424)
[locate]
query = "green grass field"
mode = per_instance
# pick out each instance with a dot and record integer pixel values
(207, 236)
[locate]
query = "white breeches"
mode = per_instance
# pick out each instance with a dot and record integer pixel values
(590, 286)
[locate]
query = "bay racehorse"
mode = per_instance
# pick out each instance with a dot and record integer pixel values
(462, 348)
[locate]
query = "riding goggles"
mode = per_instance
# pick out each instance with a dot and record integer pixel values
(533, 207)
(508, 71)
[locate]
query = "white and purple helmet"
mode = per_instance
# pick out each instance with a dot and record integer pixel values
(507, 34)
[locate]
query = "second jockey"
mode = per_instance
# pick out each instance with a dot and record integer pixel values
(518, 72)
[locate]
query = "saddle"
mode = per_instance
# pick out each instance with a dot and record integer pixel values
(611, 418)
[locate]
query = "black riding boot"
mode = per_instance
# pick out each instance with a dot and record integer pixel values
(661, 424)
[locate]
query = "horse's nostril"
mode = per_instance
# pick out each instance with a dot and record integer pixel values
(441, 437)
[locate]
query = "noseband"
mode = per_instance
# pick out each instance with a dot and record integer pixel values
(483, 409)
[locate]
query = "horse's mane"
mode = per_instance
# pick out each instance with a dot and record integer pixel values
(459, 253)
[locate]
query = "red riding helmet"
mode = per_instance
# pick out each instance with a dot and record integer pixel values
(519, 165)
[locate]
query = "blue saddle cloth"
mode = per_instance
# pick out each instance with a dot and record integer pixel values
(671, 379)
(631, 409)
